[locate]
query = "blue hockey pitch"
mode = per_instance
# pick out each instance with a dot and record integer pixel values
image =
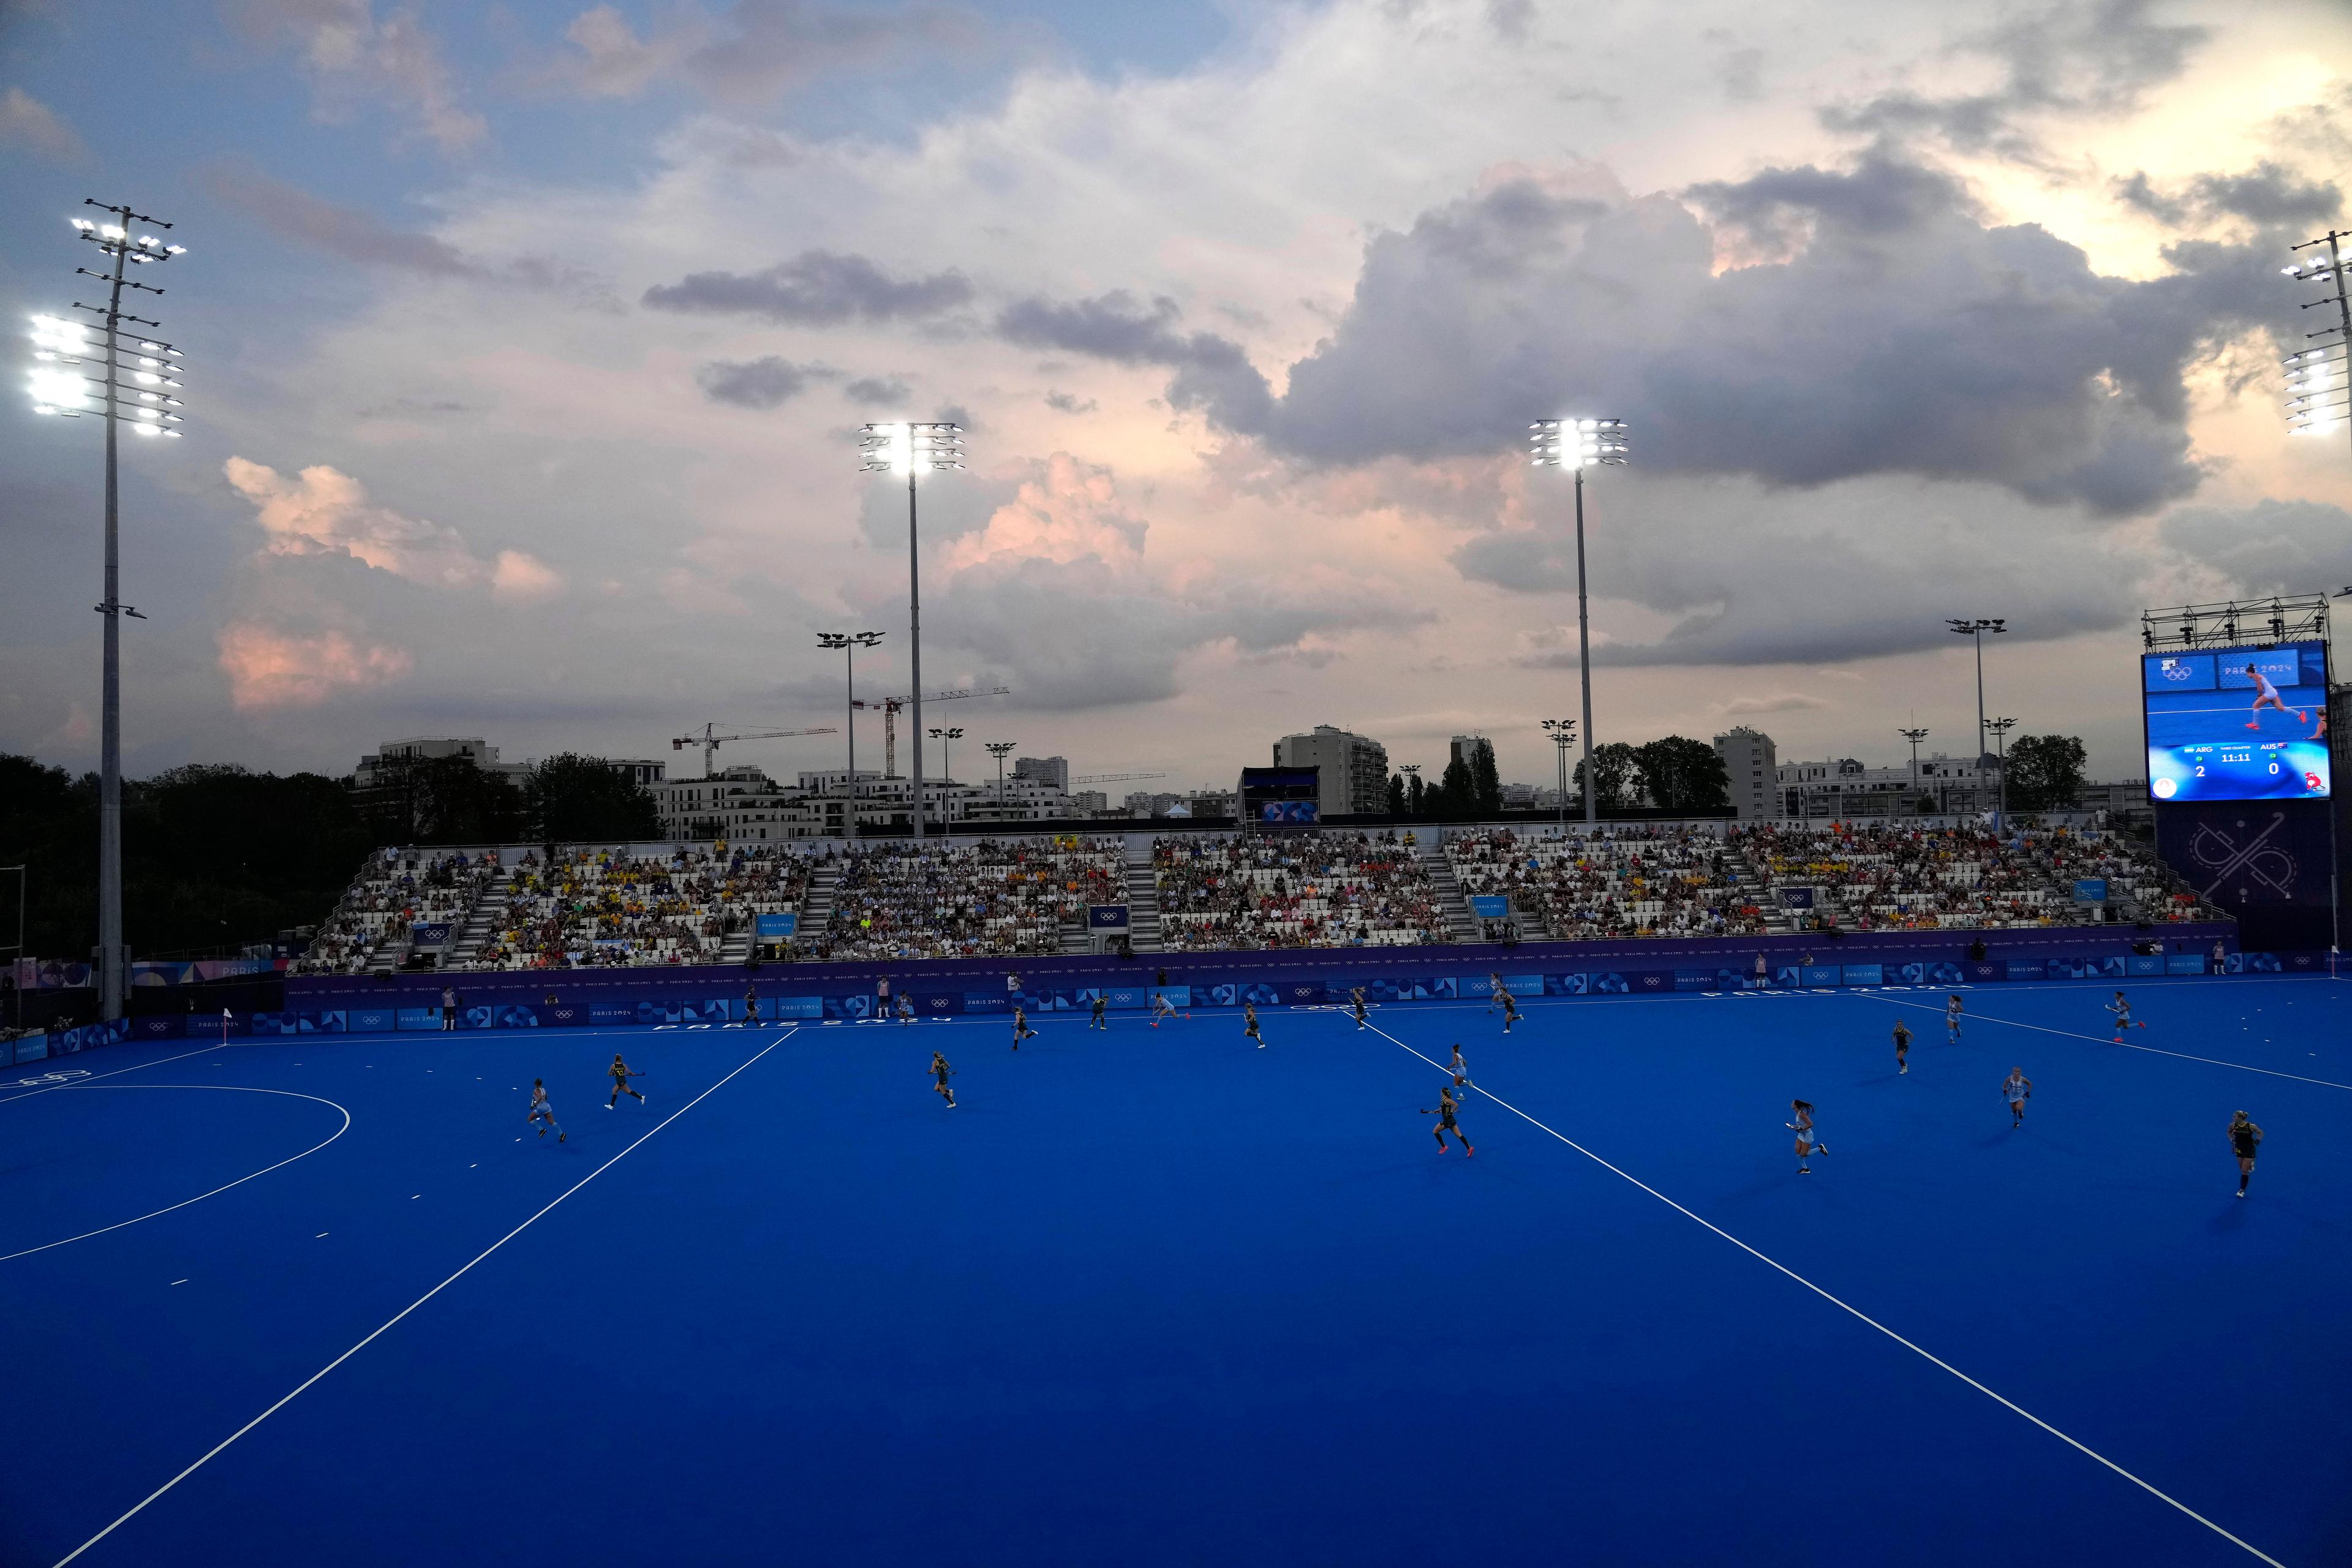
(1155, 1297)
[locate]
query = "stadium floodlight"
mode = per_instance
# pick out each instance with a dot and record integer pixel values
(913, 450)
(848, 643)
(1914, 735)
(95, 367)
(947, 762)
(1977, 628)
(2320, 399)
(999, 750)
(2000, 729)
(1563, 736)
(1578, 444)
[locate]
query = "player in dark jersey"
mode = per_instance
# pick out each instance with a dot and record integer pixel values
(940, 1072)
(1355, 1002)
(1902, 1046)
(1510, 1009)
(1097, 1021)
(1446, 1106)
(2244, 1139)
(620, 1074)
(1021, 1029)
(1249, 1024)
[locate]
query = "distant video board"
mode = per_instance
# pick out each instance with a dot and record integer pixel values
(2238, 723)
(1287, 811)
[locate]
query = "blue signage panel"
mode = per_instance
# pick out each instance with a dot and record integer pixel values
(1796, 898)
(2090, 889)
(1107, 917)
(1490, 906)
(776, 928)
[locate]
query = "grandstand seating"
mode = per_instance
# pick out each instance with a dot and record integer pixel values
(608, 907)
(1293, 890)
(994, 898)
(396, 891)
(1646, 880)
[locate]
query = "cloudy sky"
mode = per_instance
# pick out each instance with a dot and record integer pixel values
(529, 343)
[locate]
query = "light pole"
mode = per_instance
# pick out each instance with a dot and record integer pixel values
(16, 963)
(1977, 629)
(1412, 772)
(2316, 376)
(136, 390)
(2000, 729)
(848, 643)
(947, 760)
(999, 750)
(1914, 736)
(1580, 444)
(913, 450)
(1563, 736)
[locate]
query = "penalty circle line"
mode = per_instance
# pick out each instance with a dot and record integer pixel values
(287, 1398)
(219, 1087)
(1856, 1311)
(118, 1072)
(2126, 1044)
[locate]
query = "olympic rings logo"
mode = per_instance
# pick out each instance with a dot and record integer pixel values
(41, 1080)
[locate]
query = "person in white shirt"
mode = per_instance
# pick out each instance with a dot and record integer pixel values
(2266, 696)
(2017, 1088)
(541, 1110)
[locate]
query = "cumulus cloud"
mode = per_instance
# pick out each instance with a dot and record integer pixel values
(26, 122)
(879, 390)
(755, 50)
(1052, 595)
(270, 668)
(352, 56)
(2267, 193)
(815, 288)
(324, 512)
(2076, 58)
(1865, 569)
(2271, 547)
(1897, 332)
(764, 383)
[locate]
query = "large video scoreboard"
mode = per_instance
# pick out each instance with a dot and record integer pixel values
(2242, 724)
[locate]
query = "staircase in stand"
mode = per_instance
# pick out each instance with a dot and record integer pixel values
(816, 905)
(481, 919)
(1463, 926)
(1142, 900)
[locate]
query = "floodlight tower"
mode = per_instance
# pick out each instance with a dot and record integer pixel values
(848, 643)
(999, 750)
(1412, 771)
(1580, 444)
(141, 375)
(2000, 729)
(1563, 736)
(2316, 376)
(1977, 628)
(913, 450)
(947, 760)
(1914, 735)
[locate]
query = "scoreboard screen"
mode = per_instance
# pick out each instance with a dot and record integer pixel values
(2238, 723)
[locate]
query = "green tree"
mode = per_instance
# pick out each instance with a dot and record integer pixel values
(1484, 782)
(1416, 797)
(2045, 772)
(1684, 774)
(1396, 794)
(1455, 796)
(572, 799)
(450, 801)
(1617, 776)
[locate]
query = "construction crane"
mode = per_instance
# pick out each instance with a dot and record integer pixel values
(890, 705)
(1113, 778)
(710, 740)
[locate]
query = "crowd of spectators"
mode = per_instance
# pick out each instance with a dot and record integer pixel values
(994, 898)
(1882, 877)
(1293, 890)
(608, 907)
(2139, 887)
(395, 891)
(1643, 879)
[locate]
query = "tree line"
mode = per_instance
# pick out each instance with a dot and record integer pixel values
(215, 856)
(1675, 773)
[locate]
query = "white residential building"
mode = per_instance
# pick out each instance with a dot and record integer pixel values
(1755, 771)
(1353, 771)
